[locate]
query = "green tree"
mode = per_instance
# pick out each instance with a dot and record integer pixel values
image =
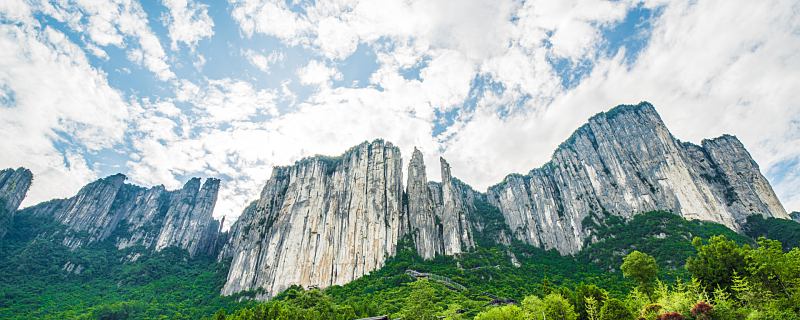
(584, 293)
(553, 306)
(614, 309)
(510, 312)
(716, 262)
(642, 268)
(420, 303)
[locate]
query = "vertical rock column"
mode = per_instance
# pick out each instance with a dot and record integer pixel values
(14, 184)
(420, 210)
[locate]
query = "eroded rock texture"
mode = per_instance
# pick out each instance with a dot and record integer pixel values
(321, 222)
(14, 184)
(327, 221)
(154, 218)
(624, 162)
(440, 215)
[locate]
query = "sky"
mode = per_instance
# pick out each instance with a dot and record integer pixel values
(166, 90)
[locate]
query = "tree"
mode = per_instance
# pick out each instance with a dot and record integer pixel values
(642, 268)
(583, 294)
(716, 262)
(420, 303)
(553, 306)
(501, 313)
(614, 309)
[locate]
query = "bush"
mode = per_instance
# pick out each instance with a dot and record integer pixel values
(614, 309)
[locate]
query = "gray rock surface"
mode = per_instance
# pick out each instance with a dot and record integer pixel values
(441, 215)
(624, 162)
(424, 223)
(14, 184)
(796, 216)
(129, 215)
(323, 221)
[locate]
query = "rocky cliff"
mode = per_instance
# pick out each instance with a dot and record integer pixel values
(623, 162)
(128, 215)
(14, 185)
(796, 216)
(320, 222)
(438, 214)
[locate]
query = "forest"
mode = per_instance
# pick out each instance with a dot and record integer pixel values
(654, 266)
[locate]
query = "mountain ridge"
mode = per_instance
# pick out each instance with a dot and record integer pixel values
(327, 221)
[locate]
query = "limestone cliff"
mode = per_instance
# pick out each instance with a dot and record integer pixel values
(129, 215)
(425, 224)
(624, 162)
(327, 221)
(14, 185)
(321, 222)
(440, 215)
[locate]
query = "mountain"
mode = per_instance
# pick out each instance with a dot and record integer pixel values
(327, 221)
(624, 162)
(14, 184)
(796, 216)
(152, 219)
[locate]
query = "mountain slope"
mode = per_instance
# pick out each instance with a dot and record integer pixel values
(623, 162)
(326, 221)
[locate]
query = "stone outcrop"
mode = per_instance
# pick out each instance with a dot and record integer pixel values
(14, 184)
(453, 203)
(440, 215)
(624, 162)
(130, 216)
(424, 224)
(321, 222)
(796, 216)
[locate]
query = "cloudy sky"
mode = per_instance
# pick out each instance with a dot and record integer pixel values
(163, 91)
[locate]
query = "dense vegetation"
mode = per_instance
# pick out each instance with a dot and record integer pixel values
(655, 266)
(35, 282)
(785, 231)
(728, 281)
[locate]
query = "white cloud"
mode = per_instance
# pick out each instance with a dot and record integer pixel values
(188, 22)
(229, 100)
(263, 62)
(317, 73)
(711, 67)
(120, 23)
(58, 99)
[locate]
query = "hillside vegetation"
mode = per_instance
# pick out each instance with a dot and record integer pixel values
(655, 266)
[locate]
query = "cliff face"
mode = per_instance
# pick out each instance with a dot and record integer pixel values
(14, 185)
(796, 216)
(153, 218)
(439, 214)
(624, 162)
(323, 221)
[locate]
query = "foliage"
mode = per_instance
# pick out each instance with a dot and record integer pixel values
(614, 309)
(35, 282)
(716, 262)
(664, 235)
(642, 268)
(501, 313)
(553, 306)
(785, 231)
(727, 277)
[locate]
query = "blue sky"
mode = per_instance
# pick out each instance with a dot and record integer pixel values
(166, 90)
